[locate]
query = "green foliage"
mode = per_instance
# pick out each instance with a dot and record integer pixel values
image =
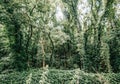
(58, 77)
(31, 36)
(5, 60)
(21, 23)
(115, 51)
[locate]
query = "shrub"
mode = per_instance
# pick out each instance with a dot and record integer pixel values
(53, 76)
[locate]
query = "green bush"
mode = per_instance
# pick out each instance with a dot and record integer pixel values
(52, 76)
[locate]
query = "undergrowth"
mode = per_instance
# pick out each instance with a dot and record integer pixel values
(53, 76)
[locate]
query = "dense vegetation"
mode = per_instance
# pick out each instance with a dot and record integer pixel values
(37, 76)
(60, 34)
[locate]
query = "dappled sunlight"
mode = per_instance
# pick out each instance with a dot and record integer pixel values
(59, 41)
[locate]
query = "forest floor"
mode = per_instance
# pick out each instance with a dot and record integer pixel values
(55, 76)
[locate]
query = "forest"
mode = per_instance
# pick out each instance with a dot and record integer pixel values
(59, 42)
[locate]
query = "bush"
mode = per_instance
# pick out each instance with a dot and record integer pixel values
(46, 76)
